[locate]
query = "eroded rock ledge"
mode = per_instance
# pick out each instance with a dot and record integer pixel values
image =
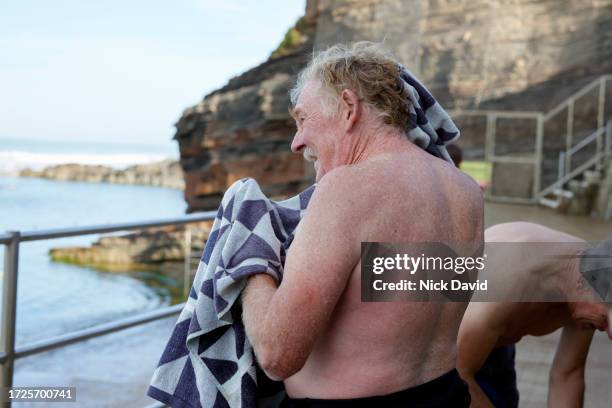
(166, 173)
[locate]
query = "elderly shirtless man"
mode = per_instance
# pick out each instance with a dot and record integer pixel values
(490, 330)
(313, 331)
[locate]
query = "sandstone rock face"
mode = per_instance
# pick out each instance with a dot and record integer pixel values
(244, 129)
(167, 173)
(502, 54)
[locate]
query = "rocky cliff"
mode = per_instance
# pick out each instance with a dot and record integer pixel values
(510, 54)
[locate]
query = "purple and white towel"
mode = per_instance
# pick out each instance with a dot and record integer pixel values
(429, 125)
(208, 361)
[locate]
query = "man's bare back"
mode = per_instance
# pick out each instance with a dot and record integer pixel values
(382, 347)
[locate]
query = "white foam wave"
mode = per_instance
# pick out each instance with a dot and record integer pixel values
(13, 161)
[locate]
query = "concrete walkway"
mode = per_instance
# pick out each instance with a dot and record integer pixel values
(535, 356)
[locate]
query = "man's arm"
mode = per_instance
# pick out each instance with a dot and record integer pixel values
(283, 323)
(566, 388)
(479, 333)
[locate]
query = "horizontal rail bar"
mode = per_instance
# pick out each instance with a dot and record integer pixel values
(499, 114)
(106, 328)
(156, 405)
(586, 141)
(517, 160)
(570, 175)
(510, 200)
(592, 85)
(97, 229)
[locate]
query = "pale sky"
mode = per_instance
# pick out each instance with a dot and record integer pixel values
(123, 71)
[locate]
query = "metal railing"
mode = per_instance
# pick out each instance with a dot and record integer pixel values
(492, 117)
(12, 240)
(565, 173)
(541, 119)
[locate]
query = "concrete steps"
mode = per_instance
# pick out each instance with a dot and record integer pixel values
(576, 197)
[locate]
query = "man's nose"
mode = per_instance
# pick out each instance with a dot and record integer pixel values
(298, 143)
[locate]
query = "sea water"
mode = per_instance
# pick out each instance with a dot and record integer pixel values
(56, 298)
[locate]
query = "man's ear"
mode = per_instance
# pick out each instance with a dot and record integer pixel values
(351, 109)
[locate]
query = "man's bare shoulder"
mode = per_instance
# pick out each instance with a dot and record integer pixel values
(344, 188)
(377, 176)
(498, 317)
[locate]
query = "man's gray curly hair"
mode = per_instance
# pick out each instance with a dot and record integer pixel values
(366, 69)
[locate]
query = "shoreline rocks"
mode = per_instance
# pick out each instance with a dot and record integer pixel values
(137, 250)
(166, 173)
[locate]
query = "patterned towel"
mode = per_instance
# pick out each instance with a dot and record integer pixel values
(429, 127)
(596, 267)
(208, 361)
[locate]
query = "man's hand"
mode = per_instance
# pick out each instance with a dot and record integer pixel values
(478, 398)
(566, 388)
(284, 323)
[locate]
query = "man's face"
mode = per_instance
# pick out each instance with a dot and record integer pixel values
(317, 136)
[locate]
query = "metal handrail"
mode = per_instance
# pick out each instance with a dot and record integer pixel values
(564, 173)
(506, 114)
(576, 95)
(541, 119)
(96, 331)
(12, 239)
(98, 229)
(592, 137)
(578, 170)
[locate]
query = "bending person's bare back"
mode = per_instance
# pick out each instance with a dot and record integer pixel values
(490, 329)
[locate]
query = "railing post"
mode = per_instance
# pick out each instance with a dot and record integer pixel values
(187, 265)
(561, 169)
(569, 135)
(9, 308)
(608, 145)
(600, 119)
(601, 103)
(490, 147)
(537, 171)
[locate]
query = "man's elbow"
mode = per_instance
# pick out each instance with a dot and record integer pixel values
(562, 377)
(279, 365)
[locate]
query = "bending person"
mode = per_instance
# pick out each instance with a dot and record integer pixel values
(490, 330)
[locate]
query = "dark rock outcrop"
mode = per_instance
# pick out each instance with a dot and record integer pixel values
(244, 129)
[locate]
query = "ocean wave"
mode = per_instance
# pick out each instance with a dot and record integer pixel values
(13, 161)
